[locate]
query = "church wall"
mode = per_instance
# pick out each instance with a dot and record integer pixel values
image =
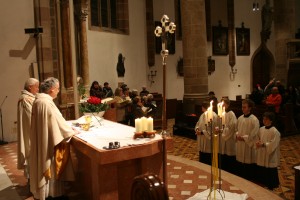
(103, 60)
(297, 13)
(220, 81)
(104, 48)
(15, 15)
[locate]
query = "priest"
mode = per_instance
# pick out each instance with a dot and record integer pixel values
(50, 134)
(31, 88)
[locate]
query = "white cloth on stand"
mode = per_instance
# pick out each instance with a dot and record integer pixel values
(228, 195)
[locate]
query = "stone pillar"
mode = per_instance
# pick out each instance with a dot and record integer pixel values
(194, 46)
(66, 45)
(284, 25)
(83, 45)
(150, 35)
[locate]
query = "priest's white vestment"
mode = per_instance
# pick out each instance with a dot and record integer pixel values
(23, 126)
(48, 131)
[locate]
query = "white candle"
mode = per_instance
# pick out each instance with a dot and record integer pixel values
(209, 111)
(206, 117)
(223, 118)
(144, 123)
(220, 109)
(150, 124)
(138, 125)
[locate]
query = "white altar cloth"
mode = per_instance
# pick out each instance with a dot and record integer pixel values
(228, 196)
(100, 135)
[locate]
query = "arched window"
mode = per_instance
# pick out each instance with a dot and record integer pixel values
(109, 15)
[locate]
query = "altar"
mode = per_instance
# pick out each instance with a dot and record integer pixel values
(103, 173)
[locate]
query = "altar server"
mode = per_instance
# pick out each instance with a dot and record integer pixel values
(246, 136)
(268, 153)
(49, 153)
(227, 149)
(31, 88)
(204, 135)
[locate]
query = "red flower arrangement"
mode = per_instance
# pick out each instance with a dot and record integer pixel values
(93, 104)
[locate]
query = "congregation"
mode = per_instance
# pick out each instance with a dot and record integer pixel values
(130, 104)
(275, 95)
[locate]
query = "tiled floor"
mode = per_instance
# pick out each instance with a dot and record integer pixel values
(186, 176)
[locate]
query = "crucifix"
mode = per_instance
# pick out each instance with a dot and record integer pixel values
(167, 27)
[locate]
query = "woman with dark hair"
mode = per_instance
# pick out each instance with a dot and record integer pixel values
(96, 90)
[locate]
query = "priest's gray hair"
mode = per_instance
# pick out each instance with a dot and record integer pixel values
(30, 82)
(47, 84)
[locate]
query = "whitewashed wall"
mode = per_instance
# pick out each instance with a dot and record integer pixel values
(15, 15)
(220, 81)
(104, 48)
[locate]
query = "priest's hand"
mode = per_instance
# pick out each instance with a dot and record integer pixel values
(76, 131)
(198, 132)
(259, 144)
(239, 138)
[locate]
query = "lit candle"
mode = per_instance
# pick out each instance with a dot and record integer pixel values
(210, 114)
(223, 118)
(220, 109)
(206, 117)
(150, 124)
(138, 125)
(144, 123)
(223, 115)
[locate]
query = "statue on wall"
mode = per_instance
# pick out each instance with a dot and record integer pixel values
(267, 19)
(120, 65)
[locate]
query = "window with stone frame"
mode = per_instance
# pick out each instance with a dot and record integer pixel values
(109, 15)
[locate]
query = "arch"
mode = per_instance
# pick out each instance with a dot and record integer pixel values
(263, 66)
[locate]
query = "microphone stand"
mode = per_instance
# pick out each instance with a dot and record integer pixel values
(2, 142)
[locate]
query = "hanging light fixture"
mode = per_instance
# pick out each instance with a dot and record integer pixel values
(255, 6)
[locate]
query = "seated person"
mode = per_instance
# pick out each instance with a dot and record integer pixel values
(144, 91)
(121, 105)
(257, 95)
(107, 90)
(137, 108)
(150, 105)
(274, 99)
(96, 90)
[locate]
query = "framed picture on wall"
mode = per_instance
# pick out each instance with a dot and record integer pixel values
(242, 41)
(220, 40)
